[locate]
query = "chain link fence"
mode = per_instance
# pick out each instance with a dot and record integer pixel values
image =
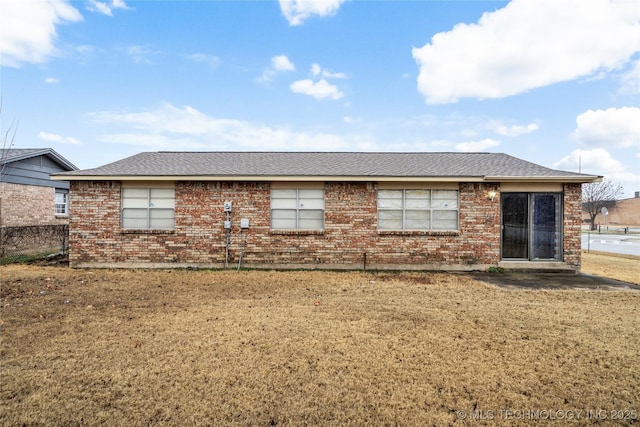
(33, 241)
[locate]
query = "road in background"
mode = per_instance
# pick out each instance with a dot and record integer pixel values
(627, 244)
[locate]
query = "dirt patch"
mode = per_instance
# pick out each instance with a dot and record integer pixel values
(273, 348)
(565, 281)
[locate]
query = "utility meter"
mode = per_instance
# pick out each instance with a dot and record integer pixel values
(227, 206)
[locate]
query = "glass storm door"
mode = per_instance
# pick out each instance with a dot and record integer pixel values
(547, 229)
(531, 226)
(515, 225)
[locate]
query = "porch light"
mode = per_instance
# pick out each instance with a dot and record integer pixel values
(492, 195)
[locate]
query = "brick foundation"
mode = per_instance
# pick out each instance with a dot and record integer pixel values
(349, 240)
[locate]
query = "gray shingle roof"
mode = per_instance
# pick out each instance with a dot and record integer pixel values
(323, 164)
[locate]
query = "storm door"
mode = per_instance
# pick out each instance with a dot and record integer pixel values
(515, 225)
(531, 226)
(547, 226)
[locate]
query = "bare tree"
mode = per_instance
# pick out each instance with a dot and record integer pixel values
(598, 195)
(7, 137)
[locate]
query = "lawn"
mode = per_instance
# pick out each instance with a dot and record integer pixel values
(104, 347)
(614, 266)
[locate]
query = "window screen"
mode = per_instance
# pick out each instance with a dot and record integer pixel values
(417, 210)
(61, 203)
(297, 209)
(151, 208)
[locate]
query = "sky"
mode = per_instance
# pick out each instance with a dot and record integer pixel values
(554, 82)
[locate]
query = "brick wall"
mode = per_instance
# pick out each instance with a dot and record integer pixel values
(350, 237)
(27, 205)
(572, 241)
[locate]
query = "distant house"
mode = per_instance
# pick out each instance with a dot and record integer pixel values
(454, 211)
(626, 212)
(27, 194)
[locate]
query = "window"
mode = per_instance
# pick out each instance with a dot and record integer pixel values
(151, 208)
(417, 210)
(297, 209)
(62, 203)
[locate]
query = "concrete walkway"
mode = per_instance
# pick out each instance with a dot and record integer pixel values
(528, 280)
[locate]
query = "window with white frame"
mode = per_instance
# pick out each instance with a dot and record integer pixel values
(417, 209)
(61, 203)
(148, 208)
(297, 209)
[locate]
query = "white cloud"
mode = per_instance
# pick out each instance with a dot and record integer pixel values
(58, 138)
(141, 54)
(319, 90)
(29, 29)
(631, 79)
(100, 7)
(600, 162)
(317, 70)
(51, 80)
(613, 127)
(279, 64)
(297, 11)
(475, 146)
(210, 60)
(595, 161)
(85, 49)
(282, 63)
(187, 128)
(106, 8)
(525, 45)
(154, 141)
(513, 130)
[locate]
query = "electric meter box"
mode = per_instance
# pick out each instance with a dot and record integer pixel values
(227, 225)
(244, 223)
(227, 206)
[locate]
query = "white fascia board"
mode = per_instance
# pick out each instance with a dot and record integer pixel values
(268, 178)
(568, 179)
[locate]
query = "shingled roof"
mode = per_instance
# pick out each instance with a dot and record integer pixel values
(323, 165)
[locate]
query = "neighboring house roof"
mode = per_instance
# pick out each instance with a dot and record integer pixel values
(10, 155)
(33, 166)
(330, 166)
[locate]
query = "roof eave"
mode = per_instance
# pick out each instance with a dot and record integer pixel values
(568, 179)
(327, 178)
(43, 152)
(263, 178)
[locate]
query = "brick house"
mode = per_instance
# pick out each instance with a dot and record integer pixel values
(27, 194)
(626, 212)
(422, 211)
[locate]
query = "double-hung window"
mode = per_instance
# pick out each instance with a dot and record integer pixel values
(148, 208)
(418, 209)
(297, 209)
(61, 203)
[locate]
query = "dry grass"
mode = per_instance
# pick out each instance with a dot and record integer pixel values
(614, 266)
(306, 348)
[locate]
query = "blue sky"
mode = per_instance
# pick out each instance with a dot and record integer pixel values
(555, 82)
